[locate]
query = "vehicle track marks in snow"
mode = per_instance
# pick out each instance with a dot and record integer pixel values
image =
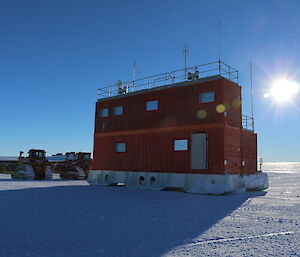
(213, 241)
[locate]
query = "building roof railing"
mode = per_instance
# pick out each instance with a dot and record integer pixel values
(248, 123)
(207, 70)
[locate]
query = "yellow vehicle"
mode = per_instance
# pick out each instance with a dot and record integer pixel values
(72, 165)
(35, 166)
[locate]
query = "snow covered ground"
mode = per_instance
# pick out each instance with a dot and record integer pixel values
(72, 219)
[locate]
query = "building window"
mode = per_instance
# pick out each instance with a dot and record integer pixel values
(104, 112)
(207, 97)
(181, 145)
(120, 147)
(152, 105)
(118, 110)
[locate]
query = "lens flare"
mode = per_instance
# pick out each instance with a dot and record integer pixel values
(284, 90)
(220, 108)
(201, 114)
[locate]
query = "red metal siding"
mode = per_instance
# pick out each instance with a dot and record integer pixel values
(154, 151)
(233, 104)
(150, 135)
(249, 152)
(232, 150)
(178, 106)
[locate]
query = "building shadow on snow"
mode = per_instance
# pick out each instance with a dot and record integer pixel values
(88, 221)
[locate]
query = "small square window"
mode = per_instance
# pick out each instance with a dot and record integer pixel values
(118, 110)
(181, 145)
(207, 97)
(120, 147)
(104, 112)
(152, 105)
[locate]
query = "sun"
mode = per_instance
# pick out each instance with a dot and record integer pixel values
(284, 90)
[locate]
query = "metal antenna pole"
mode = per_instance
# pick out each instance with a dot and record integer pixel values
(219, 39)
(219, 45)
(133, 74)
(185, 52)
(251, 88)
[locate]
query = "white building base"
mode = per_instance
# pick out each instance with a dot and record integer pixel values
(191, 183)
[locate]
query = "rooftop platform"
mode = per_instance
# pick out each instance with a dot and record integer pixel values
(211, 70)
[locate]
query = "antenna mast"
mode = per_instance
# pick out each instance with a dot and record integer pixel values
(185, 52)
(251, 89)
(219, 46)
(133, 74)
(219, 39)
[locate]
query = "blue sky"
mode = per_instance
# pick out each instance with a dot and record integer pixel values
(55, 54)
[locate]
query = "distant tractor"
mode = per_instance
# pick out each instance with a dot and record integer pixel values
(72, 165)
(35, 166)
(76, 165)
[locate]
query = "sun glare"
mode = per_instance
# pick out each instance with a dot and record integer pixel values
(284, 90)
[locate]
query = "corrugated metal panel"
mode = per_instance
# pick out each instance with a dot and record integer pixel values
(177, 107)
(232, 150)
(249, 152)
(154, 152)
(232, 102)
(149, 135)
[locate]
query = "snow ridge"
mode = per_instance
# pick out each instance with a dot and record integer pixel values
(212, 241)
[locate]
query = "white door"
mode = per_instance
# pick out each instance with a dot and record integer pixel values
(199, 151)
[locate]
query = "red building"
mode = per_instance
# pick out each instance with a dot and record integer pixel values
(179, 129)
